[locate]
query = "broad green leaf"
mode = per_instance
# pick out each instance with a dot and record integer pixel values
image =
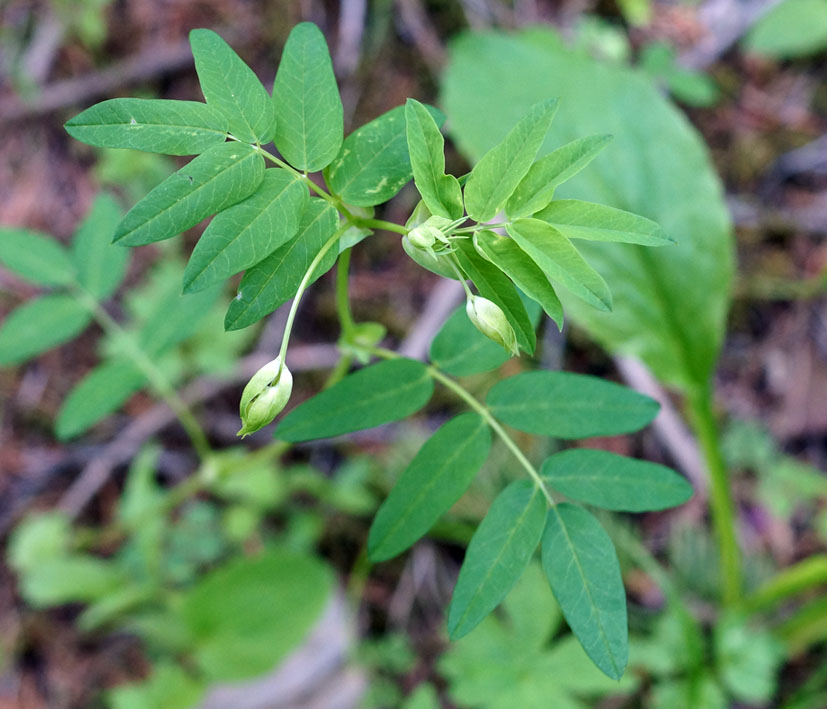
(247, 232)
(38, 538)
(426, 147)
(498, 554)
(169, 686)
(581, 565)
(100, 265)
(217, 179)
(670, 304)
(566, 405)
(275, 280)
(245, 616)
(70, 579)
(380, 393)
(101, 392)
(615, 482)
(461, 350)
(596, 222)
(309, 123)
(520, 268)
(793, 28)
(497, 174)
(154, 125)
(231, 87)
(39, 325)
(36, 257)
(494, 285)
(435, 479)
(373, 163)
(560, 261)
(174, 318)
(537, 188)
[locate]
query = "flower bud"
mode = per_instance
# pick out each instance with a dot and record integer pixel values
(491, 322)
(265, 395)
(424, 236)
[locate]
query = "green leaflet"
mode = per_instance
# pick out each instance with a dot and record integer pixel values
(217, 179)
(174, 318)
(566, 405)
(596, 222)
(36, 257)
(73, 578)
(275, 280)
(495, 286)
(498, 554)
(309, 124)
(39, 325)
(461, 350)
(615, 482)
(519, 267)
(426, 147)
(231, 87)
(380, 393)
(497, 174)
(373, 163)
(560, 261)
(435, 479)
(154, 125)
(98, 394)
(167, 686)
(247, 232)
(537, 188)
(793, 28)
(581, 565)
(100, 265)
(245, 616)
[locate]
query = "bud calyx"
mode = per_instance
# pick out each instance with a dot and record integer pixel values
(490, 320)
(265, 395)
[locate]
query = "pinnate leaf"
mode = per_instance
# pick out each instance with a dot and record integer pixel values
(36, 257)
(498, 554)
(581, 565)
(436, 478)
(152, 125)
(217, 179)
(309, 123)
(101, 265)
(247, 232)
(231, 87)
(380, 393)
(566, 405)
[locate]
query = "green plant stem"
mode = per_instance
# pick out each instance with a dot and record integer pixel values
(156, 377)
(461, 276)
(342, 300)
(720, 495)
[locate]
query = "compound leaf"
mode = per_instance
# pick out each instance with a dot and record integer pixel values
(36, 257)
(217, 179)
(152, 125)
(436, 478)
(100, 265)
(309, 124)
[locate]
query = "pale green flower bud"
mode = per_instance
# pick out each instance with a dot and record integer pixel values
(424, 236)
(265, 395)
(491, 322)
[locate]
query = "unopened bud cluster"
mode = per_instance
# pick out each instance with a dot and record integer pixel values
(265, 395)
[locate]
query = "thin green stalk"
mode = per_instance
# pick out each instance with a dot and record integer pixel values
(342, 300)
(380, 224)
(722, 506)
(461, 276)
(156, 377)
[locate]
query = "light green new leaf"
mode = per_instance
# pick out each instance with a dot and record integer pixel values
(435, 479)
(217, 179)
(39, 325)
(247, 232)
(497, 174)
(793, 28)
(154, 125)
(581, 565)
(615, 482)
(309, 125)
(426, 146)
(521, 269)
(537, 188)
(380, 393)
(36, 257)
(560, 261)
(101, 392)
(232, 87)
(566, 405)
(498, 554)
(596, 222)
(101, 265)
(70, 579)
(274, 281)
(168, 686)
(373, 163)
(461, 350)
(494, 285)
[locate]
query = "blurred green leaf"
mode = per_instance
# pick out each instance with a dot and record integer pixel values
(793, 28)
(36, 257)
(100, 264)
